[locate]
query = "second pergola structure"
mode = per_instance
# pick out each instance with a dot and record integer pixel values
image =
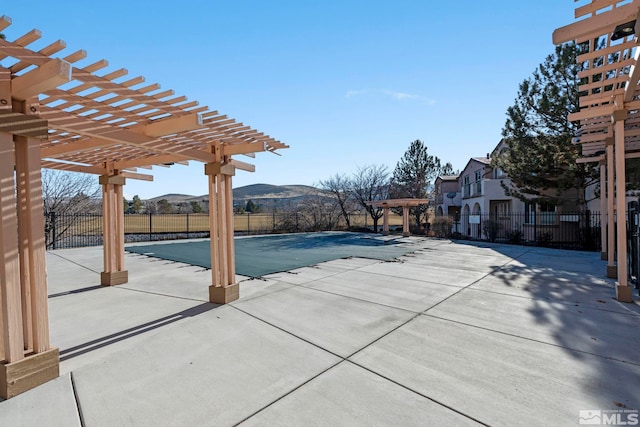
(609, 113)
(58, 114)
(405, 204)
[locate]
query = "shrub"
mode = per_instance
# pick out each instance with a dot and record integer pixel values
(515, 236)
(441, 226)
(491, 229)
(544, 239)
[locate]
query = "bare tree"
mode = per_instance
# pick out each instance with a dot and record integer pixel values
(319, 212)
(340, 186)
(66, 196)
(150, 207)
(371, 183)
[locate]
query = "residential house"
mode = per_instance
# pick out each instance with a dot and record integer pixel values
(448, 198)
(487, 212)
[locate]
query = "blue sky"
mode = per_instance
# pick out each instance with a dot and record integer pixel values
(344, 83)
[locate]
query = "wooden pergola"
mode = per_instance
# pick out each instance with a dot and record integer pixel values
(609, 113)
(405, 204)
(60, 115)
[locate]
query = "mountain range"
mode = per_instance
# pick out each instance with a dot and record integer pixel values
(265, 195)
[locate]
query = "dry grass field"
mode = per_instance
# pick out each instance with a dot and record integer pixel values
(182, 223)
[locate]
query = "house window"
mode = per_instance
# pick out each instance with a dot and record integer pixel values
(529, 213)
(466, 186)
(547, 214)
(502, 209)
(478, 183)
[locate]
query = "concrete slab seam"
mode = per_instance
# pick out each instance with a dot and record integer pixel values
(359, 299)
(530, 339)
(77, 399)
(437, 402)
(251, 298)
(289, 392)
(574, 304)
(346, 359)
(285, 331)
(142, 291)
(72, 262)
(475, 281)
(417, 280)
(325, 277)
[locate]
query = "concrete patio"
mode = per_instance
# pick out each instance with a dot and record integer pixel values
(453, 333)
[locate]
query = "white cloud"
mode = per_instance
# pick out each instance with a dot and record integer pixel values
(351, 93)
(399, 96)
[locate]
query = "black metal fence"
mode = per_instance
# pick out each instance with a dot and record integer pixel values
(577, 230)
(80, 230)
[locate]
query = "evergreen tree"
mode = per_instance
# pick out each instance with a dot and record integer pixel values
(136, 205)
(251, 207)
(541, 159)
(164, 207)
(196, 208)
(413, 177)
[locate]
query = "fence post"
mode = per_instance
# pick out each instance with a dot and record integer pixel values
(248, 223)
(53, 229)
(535, 226)
(150, 226)
(187, 225)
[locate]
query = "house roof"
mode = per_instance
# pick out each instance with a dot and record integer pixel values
(484, 160)
(481, 160)
(92, 120)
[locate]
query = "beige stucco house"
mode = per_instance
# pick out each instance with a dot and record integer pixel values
(481, 206)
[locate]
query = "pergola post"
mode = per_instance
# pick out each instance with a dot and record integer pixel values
(27, 357)
(612, 271)
(113, 230)
(385, 220)
(405, 221)
(224, 288)
(623, 290)
(603, 209)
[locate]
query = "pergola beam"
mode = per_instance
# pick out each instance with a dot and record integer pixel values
(138, 176)
(94, 170)
(173, 125)
(248, 167)
(41, 79)
(598, 24)
(246, 148)
(61, 149)
(160, 159)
